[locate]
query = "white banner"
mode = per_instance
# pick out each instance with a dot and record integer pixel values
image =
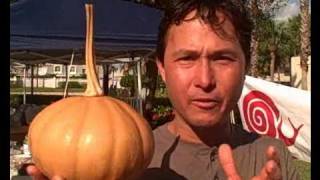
(278, 111)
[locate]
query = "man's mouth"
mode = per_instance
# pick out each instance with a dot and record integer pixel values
(205, 103)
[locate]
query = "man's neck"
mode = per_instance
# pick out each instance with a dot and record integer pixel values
(210, 136)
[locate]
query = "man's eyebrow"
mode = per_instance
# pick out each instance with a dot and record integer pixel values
(183, 52)
(212, 55)
(221, 52)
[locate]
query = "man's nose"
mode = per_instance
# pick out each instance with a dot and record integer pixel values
(204, 78)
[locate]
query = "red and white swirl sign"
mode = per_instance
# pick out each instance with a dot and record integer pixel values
(277, 111)
(263, 117)
(260, 113)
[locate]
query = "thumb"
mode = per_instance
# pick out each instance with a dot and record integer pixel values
(227, 162)
(57, 178)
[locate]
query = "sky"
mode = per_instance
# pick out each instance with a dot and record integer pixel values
(290, 10)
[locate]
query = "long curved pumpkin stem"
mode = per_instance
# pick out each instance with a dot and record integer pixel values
(93, 86)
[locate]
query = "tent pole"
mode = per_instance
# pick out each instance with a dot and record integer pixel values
(65, 93)
(67, 82)
(105, 68)
(139, 85)
(32, 76)
(139, 78)
(37, 75)
(24, 84)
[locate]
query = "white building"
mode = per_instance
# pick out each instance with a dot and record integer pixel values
(296, 72)
(49, 75)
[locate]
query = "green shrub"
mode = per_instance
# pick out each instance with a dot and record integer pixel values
(16, 84)
(15, 100)
(82, 76)
(71, 84)
(127, 81)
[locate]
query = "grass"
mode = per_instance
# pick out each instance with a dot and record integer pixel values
(304, 169)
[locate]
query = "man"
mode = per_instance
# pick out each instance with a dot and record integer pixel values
(202, 56)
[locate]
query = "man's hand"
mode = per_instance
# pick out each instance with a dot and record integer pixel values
(270, 171)
(37, 175)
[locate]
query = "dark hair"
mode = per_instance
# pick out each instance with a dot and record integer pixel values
(234, 10)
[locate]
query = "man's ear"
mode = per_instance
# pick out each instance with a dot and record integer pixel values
(160, 66)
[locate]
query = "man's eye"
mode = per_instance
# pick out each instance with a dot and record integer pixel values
(186, 61)
(186, 58)
(225, 59)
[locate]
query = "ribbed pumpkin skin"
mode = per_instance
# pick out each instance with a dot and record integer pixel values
(90, 138)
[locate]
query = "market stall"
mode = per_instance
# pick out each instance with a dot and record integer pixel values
(54, 31)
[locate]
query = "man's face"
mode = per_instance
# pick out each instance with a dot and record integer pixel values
(203, 72)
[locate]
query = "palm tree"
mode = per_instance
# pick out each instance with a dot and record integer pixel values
(254, 9)
(305, 41)
(259, 10)
(273, 42)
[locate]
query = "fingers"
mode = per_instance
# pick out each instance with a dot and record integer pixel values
(272, 169)
(227, 162)
(272, 154)
(35, 173)
(57, 178)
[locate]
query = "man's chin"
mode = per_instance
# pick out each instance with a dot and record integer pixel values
(204, 123)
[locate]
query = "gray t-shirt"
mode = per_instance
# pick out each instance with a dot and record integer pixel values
(175, 159)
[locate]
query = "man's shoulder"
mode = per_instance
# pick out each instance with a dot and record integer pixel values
(161, 133)
(243, 137)
(248, 142)
(263, 142)
(253, 154)
(266, 140)
(240, 138)
(163, 142)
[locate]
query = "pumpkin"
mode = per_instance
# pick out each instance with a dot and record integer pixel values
(91, 137)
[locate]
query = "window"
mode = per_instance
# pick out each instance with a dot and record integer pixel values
(72, 70)
(57, 69)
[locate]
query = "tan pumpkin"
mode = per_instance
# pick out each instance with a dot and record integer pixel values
(92, 137)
